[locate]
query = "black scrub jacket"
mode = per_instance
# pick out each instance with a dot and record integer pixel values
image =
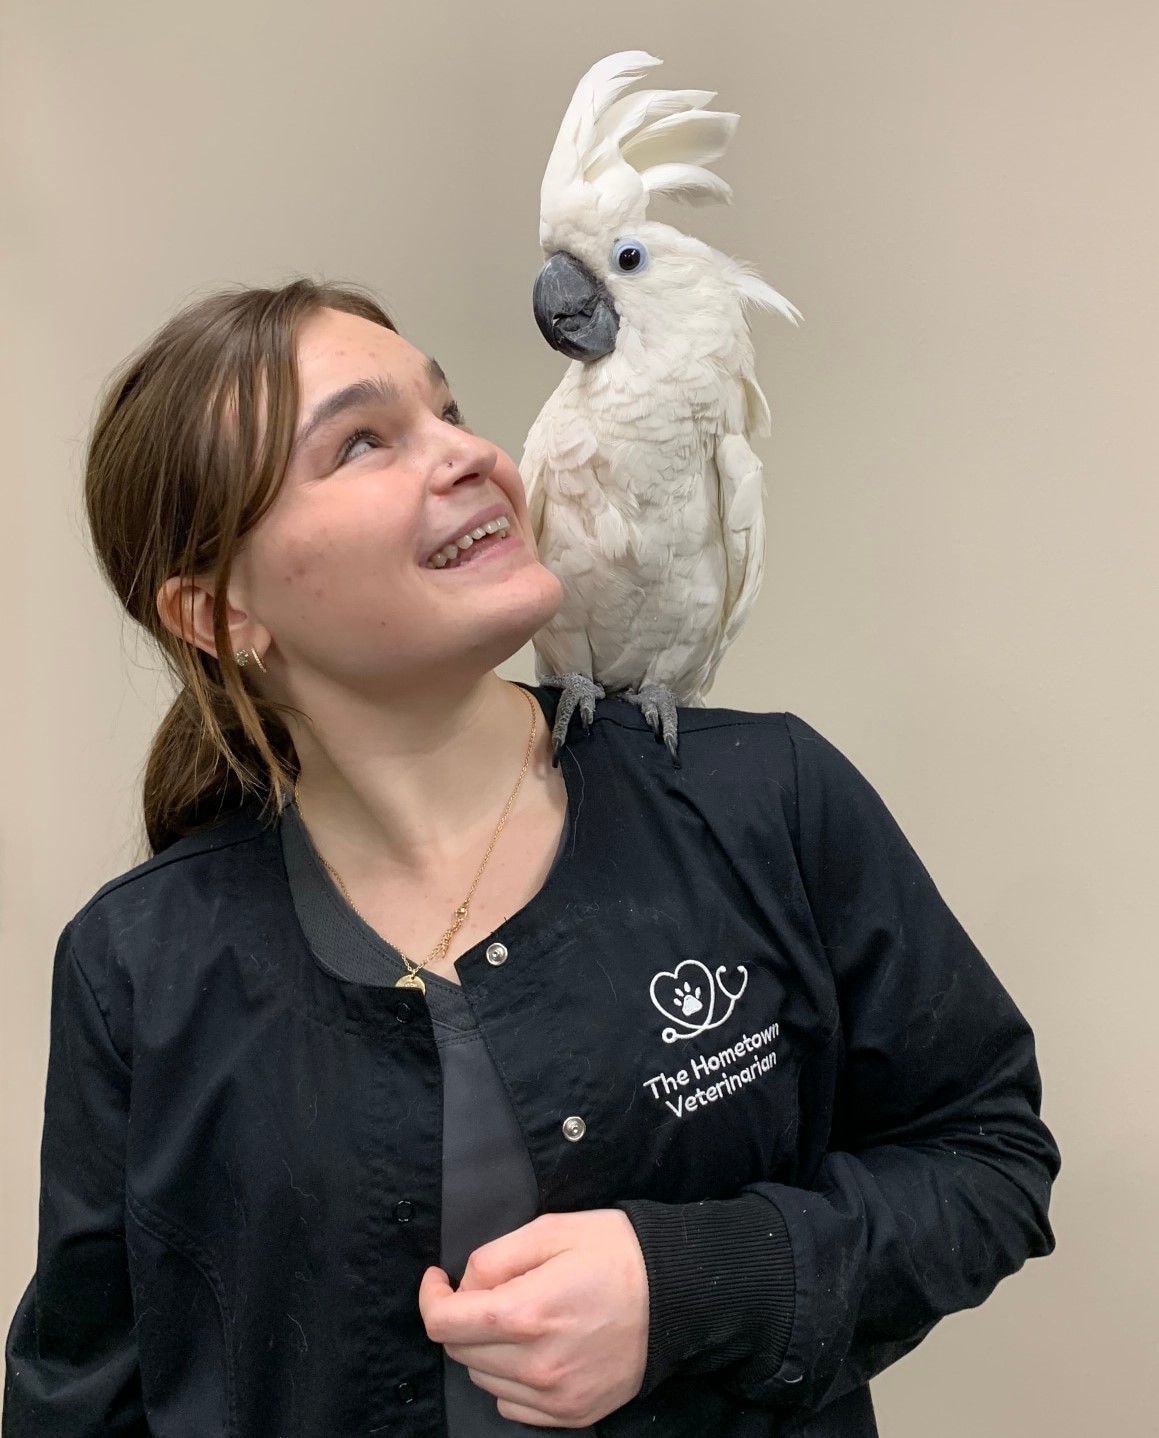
(739, 1009)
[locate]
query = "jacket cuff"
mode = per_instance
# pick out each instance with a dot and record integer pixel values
(721, 1284)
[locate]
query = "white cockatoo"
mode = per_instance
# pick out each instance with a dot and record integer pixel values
(644, 492)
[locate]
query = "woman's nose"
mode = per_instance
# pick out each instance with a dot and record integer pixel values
(465, 456)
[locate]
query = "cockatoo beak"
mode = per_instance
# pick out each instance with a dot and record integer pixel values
(574, 310)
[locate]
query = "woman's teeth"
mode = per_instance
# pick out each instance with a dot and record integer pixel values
(449, 554)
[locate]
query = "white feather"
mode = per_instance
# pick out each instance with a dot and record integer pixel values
(754, 291)
(627, 148)
(695, 137)
(743, 530)
(602, 84)
(690, 183)
(625, 116)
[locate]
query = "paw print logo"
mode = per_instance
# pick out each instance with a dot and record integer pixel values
(688, 999)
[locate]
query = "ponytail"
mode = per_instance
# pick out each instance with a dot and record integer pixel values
(207, 760)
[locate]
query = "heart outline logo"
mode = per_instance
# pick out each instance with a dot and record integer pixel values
(679, 1025)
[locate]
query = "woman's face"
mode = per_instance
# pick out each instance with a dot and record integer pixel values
(344, 570)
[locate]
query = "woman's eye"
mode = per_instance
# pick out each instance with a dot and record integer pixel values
(452, 414)
(360, 436)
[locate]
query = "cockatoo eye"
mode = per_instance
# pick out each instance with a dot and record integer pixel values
(629, 256)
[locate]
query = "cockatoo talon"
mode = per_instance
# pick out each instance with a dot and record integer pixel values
(657, 703)
(579, 693)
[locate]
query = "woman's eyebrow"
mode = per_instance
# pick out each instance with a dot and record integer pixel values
(362, 391)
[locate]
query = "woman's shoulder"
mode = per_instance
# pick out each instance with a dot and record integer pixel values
(716, 740)
(179, 875)
(734, 762)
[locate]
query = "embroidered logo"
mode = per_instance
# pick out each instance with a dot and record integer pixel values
(693, 1000)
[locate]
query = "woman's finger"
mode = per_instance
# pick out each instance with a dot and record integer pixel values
(531, 1416)
(499, 1361)
(490, 1316)
(515, 1253)
(434, 1290)
(516, 1401)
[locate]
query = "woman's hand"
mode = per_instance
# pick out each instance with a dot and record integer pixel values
(551, 1318)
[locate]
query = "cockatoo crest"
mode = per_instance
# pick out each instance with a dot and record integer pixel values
(614, 151)
(624, 148)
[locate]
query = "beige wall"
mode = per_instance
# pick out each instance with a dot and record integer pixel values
(962, 496)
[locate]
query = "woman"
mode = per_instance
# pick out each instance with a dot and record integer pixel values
(415, 1086)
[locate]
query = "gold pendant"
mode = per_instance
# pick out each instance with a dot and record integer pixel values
(411, 981)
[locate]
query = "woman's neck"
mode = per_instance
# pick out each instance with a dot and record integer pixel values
(417, 782)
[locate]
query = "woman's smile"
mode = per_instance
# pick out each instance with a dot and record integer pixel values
(482, 544)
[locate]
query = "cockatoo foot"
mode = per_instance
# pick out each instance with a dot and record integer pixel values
(580, 691)
(657, 703)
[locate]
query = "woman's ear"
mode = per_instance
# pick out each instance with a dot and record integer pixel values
(185, 608)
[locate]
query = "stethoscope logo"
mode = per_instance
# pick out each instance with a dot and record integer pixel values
(695, 1000)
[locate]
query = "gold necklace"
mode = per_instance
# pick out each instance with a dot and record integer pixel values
(412, 979)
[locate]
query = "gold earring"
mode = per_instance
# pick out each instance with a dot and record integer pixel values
(258, 661)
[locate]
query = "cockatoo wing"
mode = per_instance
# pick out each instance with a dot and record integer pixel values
(532, 468)
(573, 524)
(743, 529)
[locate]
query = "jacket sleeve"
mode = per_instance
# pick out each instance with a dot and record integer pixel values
(71, 1359)
(935, 1182)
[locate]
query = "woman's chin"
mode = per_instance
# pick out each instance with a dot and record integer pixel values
(533, 602)
(505, 618)
(489, 607)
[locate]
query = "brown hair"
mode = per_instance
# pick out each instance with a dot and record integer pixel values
(189, 450)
